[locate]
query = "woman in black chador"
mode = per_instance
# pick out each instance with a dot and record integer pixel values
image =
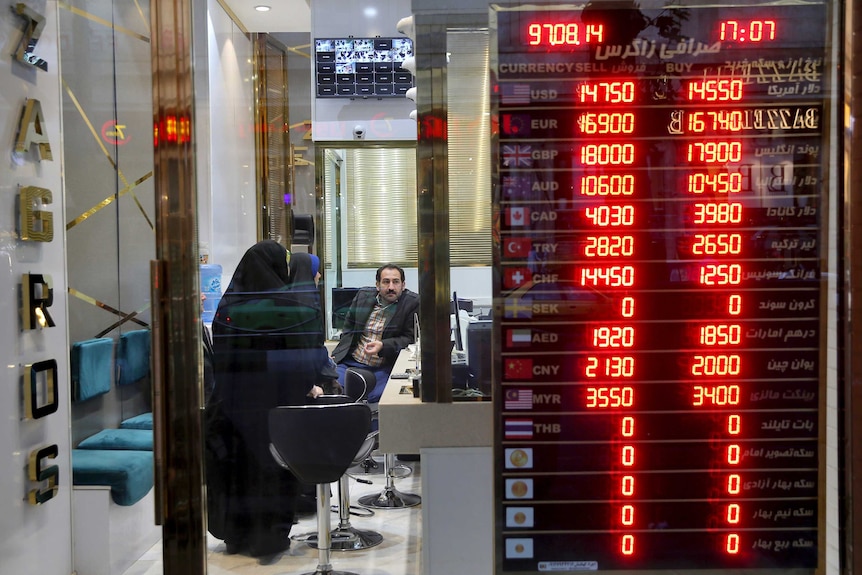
(268, 351)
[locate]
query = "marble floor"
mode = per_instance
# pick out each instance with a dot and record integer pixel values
(398, 554)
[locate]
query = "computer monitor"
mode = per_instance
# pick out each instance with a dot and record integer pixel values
(459, 343)
(479, 355)
(342, 297)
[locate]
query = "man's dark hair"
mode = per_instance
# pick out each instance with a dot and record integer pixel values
(390, 267)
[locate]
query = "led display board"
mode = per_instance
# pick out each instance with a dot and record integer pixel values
(660, 180)
(362, 67)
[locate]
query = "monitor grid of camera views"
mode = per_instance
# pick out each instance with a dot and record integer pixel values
(362, 67)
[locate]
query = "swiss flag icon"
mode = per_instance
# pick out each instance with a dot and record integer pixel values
(516, 277)
(517, 216)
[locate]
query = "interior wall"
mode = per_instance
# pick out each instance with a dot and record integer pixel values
(334, 119)
(27, 530)
(227, 189)
(108, 167)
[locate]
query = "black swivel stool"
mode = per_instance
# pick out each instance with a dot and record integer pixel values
(335, 433)
(346, 537)
(357, 383)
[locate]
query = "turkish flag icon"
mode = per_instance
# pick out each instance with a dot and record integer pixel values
(517, 216)
(518, 369)
(516, 277)
(517, 247)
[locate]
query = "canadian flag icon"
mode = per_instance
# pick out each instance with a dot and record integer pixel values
(517, 216)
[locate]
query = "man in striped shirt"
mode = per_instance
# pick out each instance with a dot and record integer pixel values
(378, 325)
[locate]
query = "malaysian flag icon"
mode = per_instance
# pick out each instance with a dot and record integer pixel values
(516, 93)
(519, 429)
(519, 399)
(517, 156)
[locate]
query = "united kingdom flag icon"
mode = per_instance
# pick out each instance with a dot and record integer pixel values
(517, 156)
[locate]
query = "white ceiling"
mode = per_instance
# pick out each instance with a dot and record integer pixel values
(284, 15)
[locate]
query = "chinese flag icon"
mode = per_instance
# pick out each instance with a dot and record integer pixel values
(518, 368)
(517, 216)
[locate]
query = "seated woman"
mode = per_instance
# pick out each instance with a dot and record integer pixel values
(267, 351)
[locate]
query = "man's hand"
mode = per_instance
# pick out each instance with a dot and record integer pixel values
(316, 391)
(373, 347)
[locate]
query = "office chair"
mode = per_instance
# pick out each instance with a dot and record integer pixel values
(357, 383)
(338, 431)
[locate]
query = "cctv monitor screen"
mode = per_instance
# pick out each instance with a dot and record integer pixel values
(362, 67)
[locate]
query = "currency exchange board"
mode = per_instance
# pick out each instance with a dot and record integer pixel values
(660, 190)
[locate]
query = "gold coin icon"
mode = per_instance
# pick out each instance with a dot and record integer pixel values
(520, 517)
(519, 548)
(519, 489)
(518, 458)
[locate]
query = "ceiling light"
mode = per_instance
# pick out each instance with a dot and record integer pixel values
(262, 8)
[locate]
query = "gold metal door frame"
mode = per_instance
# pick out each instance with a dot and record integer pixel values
(180, 505)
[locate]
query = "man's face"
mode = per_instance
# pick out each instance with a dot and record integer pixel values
(390, 285)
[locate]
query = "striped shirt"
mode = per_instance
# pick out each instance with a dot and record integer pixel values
(373, 332)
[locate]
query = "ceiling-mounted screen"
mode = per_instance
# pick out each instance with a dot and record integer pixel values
(362, 67)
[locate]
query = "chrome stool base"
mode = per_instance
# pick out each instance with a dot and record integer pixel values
(350, 539)
(330, 572)
(390, 498)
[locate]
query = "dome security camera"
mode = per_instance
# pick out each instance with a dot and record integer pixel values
(358, 132)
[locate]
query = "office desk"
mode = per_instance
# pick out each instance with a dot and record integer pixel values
(407, 424)
(454, 442)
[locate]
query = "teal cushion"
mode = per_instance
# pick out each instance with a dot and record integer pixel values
(142, 421)
(91, 367)
(133, 356)
(133, 439)
(129, 474)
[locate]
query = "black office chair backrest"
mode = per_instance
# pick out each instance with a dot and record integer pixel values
(358, 383)
(318, 443)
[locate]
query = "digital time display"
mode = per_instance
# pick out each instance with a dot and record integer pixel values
(659, 256)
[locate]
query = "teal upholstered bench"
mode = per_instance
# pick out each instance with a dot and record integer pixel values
(128, 439)
(128, 473)
(115, 523)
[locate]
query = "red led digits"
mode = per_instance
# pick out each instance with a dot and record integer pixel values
(609, 397)
(716, 365)
(721, 183)
(606, 93)
(610, 216)
(608, 154)
(613, 336)
(715, 90)
(723, 213)
(720, 274)
(720, 334)
(608, 276)
(564, 34)
(602, 123)
(716, 244)
(715, 121)
(715, 395)
(608, 185)
(610, 366)
(609, 246)
(715, 152)
(752, 31)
